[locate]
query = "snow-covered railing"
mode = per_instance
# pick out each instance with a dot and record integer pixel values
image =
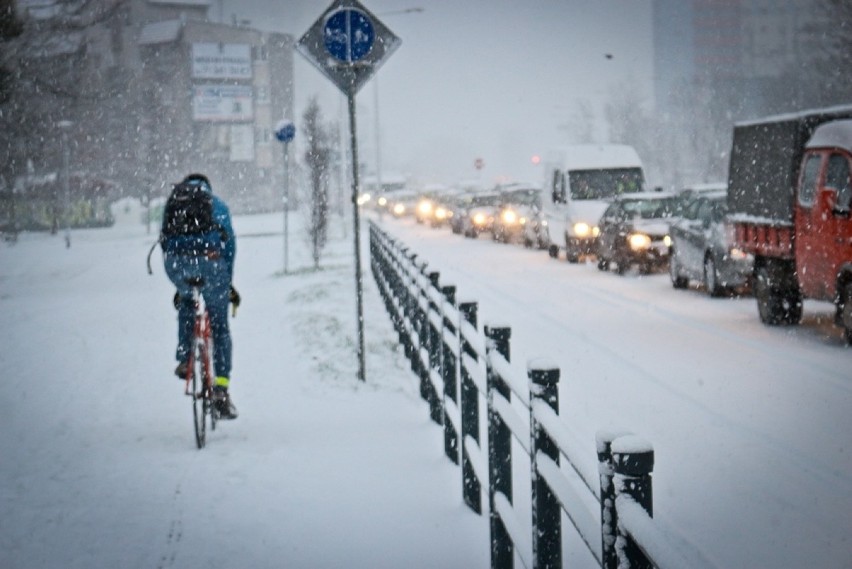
(464, 371)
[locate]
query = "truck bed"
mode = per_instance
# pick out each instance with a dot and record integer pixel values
(763, 236)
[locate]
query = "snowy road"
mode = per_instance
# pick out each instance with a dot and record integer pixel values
(750, 424)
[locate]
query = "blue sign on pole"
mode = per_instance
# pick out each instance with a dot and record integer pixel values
(348, 35)
(285, 131)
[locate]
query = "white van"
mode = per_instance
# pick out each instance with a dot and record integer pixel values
(580, 181)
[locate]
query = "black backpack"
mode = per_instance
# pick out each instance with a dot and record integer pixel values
(189, 211)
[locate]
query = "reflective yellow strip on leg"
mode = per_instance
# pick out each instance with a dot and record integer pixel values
(222, 382)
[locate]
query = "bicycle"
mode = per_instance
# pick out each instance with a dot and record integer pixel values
(199, 369)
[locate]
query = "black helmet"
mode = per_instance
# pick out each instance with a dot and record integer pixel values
(198, 179)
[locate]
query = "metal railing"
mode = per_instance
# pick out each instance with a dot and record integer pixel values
(464, 371)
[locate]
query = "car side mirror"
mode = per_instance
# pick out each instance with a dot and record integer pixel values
(842, 202)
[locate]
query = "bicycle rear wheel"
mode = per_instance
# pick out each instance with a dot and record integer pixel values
(200, 398)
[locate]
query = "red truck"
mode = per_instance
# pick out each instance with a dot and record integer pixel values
(789, 194)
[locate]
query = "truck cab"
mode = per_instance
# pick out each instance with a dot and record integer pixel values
(580, 181)
(823, 234)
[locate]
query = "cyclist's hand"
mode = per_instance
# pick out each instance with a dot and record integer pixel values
(235, 299)
(176, 300)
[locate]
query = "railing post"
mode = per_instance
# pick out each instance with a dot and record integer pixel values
(449, 374)
(433, 339)
(499, 452)
(633, 460)
(546, 511)
(609, 517)
(471, 485)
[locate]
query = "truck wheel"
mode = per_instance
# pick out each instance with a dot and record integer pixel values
(846, 312)
(774, 304)
(678, 280)
(711, 277)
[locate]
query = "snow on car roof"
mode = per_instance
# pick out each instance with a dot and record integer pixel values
(596, 156)
(835, 134)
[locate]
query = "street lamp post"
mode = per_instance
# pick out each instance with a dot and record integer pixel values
(285, 131)
(64, 126)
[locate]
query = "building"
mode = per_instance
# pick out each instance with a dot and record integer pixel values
(167, 91)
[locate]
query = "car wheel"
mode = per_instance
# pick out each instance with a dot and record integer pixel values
(678, 281)
(553, 251)
(711, 277)
(774, 304)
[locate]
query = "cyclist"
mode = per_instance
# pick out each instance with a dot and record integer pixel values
(209, 255)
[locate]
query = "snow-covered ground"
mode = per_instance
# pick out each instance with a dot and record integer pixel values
(98, 467)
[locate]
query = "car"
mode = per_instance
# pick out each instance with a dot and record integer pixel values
(702, 247)
(479, 215)
(520, 205)
(402, 203)
(634, 230)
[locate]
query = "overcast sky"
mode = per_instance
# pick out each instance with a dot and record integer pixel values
(498, 80)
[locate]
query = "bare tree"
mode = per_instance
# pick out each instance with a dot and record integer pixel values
(318, 160)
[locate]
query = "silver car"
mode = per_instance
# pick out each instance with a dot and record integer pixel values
(702, 247)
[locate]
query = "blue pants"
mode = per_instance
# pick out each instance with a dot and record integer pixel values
(216, 289)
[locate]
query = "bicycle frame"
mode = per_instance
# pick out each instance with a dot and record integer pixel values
(202, 346)
(199, 373)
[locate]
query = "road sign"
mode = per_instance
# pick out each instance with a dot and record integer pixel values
(348, 44)
(285, 131)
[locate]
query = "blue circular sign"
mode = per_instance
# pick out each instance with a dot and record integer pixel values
(349, 35)
(285, 131)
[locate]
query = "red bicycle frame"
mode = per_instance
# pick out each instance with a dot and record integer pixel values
(202, 344)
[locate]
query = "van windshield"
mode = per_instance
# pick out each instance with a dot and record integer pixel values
(600, 184)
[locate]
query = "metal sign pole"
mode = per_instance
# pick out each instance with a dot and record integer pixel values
(355, 214)
(348, 44)
(286, 206)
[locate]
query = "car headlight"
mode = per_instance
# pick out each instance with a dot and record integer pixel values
(667, 241)
(738, 254)
(479, 218)
(363, 198)
(509, 217)
(582, 229)
(440, 213)
(638, 241)
(383, 201)
(523, 221)
(399, 209)
(425, 207)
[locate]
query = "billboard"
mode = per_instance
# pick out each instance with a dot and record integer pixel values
(221, 61)
(222, 103)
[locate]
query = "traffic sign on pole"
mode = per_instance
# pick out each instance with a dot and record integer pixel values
(348, 44)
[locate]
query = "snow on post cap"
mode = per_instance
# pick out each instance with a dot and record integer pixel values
(605, 437)
(631, 444)
(541, 364)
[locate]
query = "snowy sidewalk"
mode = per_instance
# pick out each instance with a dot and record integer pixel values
(99, 467)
